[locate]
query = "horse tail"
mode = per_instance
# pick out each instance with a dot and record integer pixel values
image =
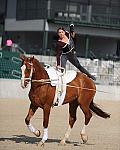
(98, 111)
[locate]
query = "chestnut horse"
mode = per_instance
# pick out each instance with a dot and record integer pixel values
(42, 95)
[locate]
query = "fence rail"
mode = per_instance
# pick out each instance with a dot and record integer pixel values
(106, 72)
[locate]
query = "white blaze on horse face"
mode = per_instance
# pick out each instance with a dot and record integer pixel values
(25, 80)
(23, 76)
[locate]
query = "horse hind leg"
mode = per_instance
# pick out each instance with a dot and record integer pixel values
(31, 112)
(88, 115)
(72, 118)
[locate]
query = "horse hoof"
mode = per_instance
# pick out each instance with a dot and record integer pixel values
(84, 138)
(41, 143)
(37, 133)
(62, 142)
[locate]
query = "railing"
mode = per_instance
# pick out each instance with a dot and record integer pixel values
(93, 14)
(106, 19)
(10, 65)
(1, 29)
(106, 72)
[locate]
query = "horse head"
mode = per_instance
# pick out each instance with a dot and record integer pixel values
(27, 70)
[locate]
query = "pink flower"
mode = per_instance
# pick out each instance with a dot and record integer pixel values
(9, 43)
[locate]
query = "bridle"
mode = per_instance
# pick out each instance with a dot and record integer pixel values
(23, 78)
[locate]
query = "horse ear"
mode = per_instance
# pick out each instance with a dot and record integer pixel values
(32, 58)
(22, 57)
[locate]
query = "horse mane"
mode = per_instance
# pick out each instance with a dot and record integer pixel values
(39, 65)
(36, 62)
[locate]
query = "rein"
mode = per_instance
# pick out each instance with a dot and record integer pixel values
(41, 80)
(48, 81)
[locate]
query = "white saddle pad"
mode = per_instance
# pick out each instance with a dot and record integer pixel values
(54, 75)
(60, 80)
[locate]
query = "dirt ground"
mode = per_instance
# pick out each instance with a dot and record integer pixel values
(103, 134)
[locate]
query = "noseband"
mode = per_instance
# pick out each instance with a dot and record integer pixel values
(23, 79)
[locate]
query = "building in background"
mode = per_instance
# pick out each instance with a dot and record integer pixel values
(2, 19)
(32, 24)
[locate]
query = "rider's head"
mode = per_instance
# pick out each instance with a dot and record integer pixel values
(61, 32)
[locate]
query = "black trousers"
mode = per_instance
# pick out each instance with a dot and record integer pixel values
(71, 56)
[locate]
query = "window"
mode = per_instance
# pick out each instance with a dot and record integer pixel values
(31, 9)
(71, 8)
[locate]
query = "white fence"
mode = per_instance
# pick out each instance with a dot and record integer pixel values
(106, 72)
(11, 89)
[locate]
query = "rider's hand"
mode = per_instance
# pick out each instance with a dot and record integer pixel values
(71, 27)
(57, 67)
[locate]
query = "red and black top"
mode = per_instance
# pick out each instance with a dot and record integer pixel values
(64, 48)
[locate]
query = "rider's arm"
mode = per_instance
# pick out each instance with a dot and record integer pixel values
(72, 33)
(58, 53)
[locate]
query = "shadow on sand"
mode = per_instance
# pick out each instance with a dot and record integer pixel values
(33, 140)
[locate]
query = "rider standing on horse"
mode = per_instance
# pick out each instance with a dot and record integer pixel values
(66, 50)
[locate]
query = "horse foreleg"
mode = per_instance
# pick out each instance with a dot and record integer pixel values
(46, 113)
(31, 112)
(72, 118)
